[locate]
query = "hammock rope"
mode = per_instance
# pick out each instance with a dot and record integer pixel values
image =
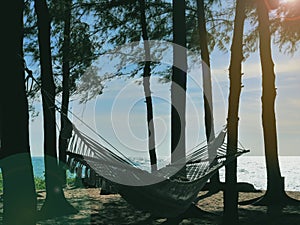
(58, 109)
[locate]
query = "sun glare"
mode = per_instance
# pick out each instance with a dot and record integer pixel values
(289, 1)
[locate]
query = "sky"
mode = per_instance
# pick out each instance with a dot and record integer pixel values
(119, 114)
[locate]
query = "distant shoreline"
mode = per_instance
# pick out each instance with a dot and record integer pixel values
(251, 169)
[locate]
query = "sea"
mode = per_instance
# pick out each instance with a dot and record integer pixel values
(250, 169)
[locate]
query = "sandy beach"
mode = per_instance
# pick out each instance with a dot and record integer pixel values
(113, 210)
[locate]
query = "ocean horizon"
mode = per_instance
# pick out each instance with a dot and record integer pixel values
(251, 169)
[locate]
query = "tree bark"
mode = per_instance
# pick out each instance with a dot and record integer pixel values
(235, 74)
(147, 90)
(55, 203)
(63, 141)
(18, 182)
(207, 88)
(274, 184)
(48, 95)
(178, 86)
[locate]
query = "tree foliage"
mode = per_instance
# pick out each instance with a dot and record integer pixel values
(83, 43)
(286, 27)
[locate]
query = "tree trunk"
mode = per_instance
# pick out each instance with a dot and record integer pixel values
(63, 141)
(207, 88)
(55, 203)
(178, 86)
(275, 197)
(147, 90)
(235, 74)
(19, 194)
(274, 184)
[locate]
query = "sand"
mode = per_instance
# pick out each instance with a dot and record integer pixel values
(113, 210)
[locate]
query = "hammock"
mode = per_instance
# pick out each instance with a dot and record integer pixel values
(168, 192)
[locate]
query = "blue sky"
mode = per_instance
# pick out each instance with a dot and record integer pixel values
(119, 113)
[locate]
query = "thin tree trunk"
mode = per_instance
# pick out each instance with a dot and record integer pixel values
(147, 90)
(207, 88)
(63, 141)
(275, 187)
(48, 95)
(55, 203)
(19, 194)
(178, 86)
(235, 74)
